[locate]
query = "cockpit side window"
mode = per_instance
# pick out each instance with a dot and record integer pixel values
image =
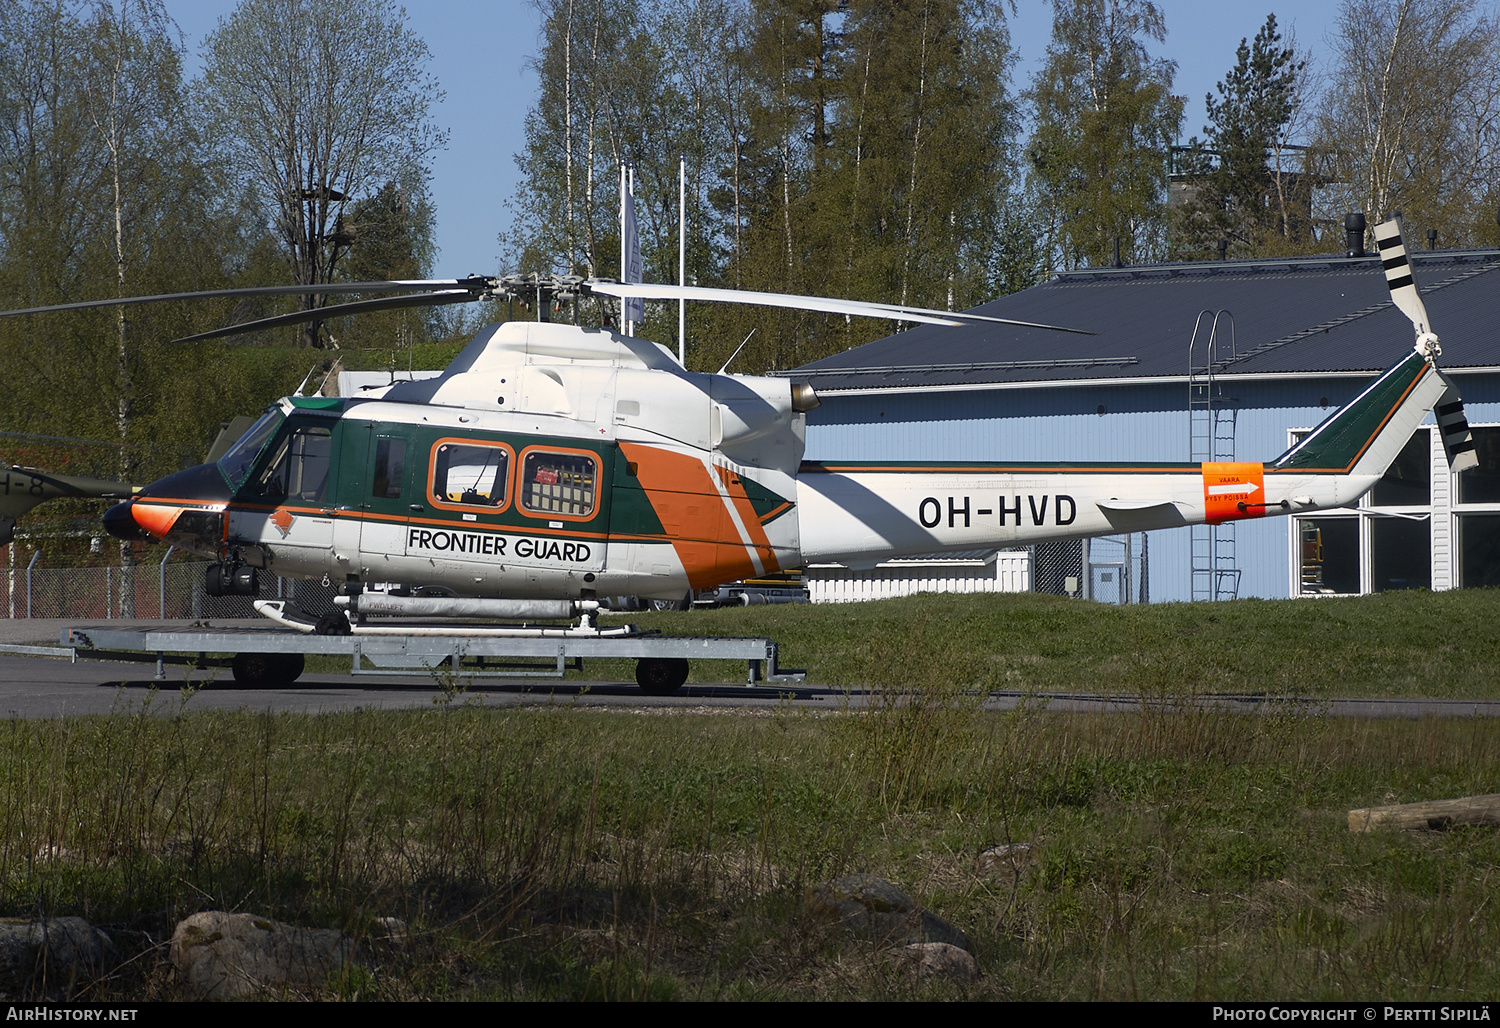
(240, 458)
(297, 471)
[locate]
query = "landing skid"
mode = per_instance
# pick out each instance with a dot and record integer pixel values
(283, 614)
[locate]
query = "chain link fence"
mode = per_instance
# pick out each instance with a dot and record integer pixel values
(1110, 568)
(147, 591)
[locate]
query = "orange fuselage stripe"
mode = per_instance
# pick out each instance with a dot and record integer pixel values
(693, 514)
(746, 510)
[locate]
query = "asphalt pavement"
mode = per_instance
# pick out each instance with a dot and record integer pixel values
(34, 685)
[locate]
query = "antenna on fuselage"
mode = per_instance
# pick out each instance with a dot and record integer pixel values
(306, 379)
(736, 353)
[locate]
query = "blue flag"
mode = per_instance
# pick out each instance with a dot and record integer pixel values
(632, 309)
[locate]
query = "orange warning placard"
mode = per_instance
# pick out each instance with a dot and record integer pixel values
(1226, 486)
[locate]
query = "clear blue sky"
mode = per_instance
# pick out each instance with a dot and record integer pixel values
(482, 51)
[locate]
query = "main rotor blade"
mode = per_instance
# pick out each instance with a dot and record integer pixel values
(1398, 276)
(860, 308)
(473, 284)
(338, 310)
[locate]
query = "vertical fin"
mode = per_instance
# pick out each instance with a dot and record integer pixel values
(1366, 433)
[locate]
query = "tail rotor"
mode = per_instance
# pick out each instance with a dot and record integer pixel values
(1453, 426)
(1403, 287)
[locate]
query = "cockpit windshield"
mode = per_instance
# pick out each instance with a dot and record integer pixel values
(237, 462)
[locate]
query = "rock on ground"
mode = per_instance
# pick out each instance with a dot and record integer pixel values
(864, 901)
(1011, 857)
(936, 960)
(218, 955)
(51, 958)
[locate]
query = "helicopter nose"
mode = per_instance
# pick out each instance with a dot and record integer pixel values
(120, 523)
(145, 522)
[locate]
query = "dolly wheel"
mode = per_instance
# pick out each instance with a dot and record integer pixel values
(267, 670)
(660, 676)
(333, 623)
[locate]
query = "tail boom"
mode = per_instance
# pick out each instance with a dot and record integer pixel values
(21, 489)
(856, 512)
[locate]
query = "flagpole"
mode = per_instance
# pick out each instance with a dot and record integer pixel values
(682, 258)
(635, 249)
(623, 327)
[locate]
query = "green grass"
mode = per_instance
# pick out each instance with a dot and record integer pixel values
(579, 854)
(576, 853)
(1390, 645)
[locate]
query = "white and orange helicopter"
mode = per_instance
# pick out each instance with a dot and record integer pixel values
(551, 465)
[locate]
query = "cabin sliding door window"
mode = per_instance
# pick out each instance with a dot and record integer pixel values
(468, 474)
(390, 469)
(559, 484)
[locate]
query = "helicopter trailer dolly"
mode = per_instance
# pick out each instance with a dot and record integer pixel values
(270, 657)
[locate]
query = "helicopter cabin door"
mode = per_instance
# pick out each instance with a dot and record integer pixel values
(377, 498)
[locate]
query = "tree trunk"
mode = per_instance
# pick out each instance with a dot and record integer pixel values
(1435, 815)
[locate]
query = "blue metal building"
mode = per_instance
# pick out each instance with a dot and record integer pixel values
(1298, 338)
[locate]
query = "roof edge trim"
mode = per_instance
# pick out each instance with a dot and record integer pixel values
(970, 387)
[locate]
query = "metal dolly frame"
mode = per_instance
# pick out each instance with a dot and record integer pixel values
(404, 654)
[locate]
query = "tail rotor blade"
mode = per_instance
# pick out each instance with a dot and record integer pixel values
(1453, 426)
(1398, 277)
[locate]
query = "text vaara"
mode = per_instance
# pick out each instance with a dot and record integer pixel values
(486, 545)
(1063, 510)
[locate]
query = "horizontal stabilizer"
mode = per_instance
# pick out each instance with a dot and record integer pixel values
(1133, 505)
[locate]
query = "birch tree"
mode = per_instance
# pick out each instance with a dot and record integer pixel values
(315, 104)
(1409, 121)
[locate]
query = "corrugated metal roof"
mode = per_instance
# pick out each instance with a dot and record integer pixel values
(1300, 315)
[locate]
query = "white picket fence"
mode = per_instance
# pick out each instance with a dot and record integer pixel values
(1006, 571)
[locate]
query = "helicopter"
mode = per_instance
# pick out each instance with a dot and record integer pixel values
(551, 465)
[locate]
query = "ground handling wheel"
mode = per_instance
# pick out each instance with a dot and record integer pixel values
(660, 676)
(267, 670)
(333, 623)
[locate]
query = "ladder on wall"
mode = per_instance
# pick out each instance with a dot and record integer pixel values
(1211, 437)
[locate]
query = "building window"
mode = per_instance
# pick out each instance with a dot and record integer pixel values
(1400, 554)
(1408, 481)
(1477, 542)
(1329, 549)
(1478, 549)
(1482, 484)
(1385, 543)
